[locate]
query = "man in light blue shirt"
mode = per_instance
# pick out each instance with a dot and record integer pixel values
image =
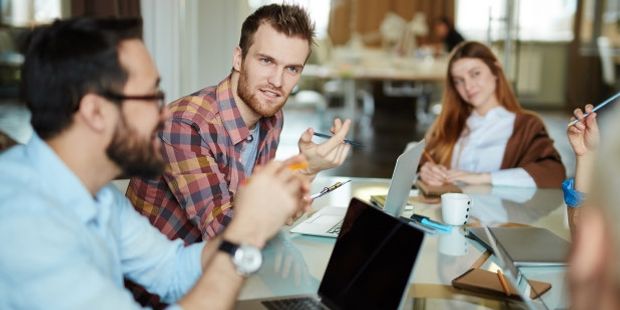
(68, 237)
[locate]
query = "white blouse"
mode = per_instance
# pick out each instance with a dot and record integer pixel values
(482, 145)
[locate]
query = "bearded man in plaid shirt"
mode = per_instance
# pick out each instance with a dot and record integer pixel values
(217, 135)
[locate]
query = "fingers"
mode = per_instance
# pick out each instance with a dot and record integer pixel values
(343, 154)
(433, 174)
(575, 130)
(585, 122)
(591, 122)
(338, 137)
(578, 113)
(440, 171)
(336, 126)
(306, 137)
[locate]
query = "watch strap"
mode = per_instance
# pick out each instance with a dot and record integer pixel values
(228, 247)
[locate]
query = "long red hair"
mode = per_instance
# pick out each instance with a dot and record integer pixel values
(446, 130)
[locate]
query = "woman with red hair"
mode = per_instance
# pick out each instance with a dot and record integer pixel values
(483, 135)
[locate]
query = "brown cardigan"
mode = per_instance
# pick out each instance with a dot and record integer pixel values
(531, 148)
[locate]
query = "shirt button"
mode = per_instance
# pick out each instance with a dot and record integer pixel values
(250, 138)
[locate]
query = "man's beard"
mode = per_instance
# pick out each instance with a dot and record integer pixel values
(135, 157)
(250, 99)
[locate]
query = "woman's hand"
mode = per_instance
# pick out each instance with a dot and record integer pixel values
(584, 135)
(433, 174)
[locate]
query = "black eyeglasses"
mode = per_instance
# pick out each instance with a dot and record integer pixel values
(160, 97)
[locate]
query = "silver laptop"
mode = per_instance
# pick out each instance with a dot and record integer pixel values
(369, 268)
(326, 222)
(512, 274)
(543, 248)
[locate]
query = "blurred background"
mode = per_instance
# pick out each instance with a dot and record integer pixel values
(380, 63)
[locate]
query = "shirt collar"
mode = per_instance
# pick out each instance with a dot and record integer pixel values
(231, 116)
(66, 187)
(494, 114)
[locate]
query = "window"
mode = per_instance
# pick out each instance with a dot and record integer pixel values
(549, 20)
(29, 12)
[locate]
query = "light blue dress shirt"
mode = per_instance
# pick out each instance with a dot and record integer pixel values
(62, 248)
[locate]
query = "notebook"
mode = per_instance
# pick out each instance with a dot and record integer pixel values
(488, 283)
(369, 267)
(327, 220)
(542, 247)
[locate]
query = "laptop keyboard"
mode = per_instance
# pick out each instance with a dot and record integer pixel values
(300, 303)
(336, 228)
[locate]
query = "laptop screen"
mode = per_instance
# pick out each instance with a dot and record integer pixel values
(372, 260)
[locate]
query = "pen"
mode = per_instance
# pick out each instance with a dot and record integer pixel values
(326, 190)
(351, 142)
(610, 99)
(502, 281)
(430, 223)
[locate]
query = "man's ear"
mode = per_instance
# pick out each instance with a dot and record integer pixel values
(237, 58)
(589, 245)
(91, 112)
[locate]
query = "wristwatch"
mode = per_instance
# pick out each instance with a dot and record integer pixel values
(246, 258)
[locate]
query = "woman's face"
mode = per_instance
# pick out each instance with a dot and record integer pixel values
(475, 83)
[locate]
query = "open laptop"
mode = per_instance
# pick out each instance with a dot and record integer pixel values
(512, 274)
(326, 222)
(369, 268)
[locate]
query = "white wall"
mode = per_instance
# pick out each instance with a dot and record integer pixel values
(192, 40)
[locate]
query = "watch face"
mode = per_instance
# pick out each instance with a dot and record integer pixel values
(248, 259)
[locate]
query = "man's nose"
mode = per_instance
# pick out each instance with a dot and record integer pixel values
(276, 77)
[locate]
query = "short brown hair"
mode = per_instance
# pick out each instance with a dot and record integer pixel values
(291, 20)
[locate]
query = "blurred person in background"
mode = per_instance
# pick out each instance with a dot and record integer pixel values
(483, 135)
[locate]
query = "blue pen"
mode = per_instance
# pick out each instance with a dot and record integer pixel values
(351, 142)
(610, 99)
(428, 222)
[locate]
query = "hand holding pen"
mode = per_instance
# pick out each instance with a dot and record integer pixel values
(326, 190)
(347, 141)
(584, 135)
(328, 154)
(598, 107)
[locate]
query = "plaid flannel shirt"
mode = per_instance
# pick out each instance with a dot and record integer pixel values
(201, 144)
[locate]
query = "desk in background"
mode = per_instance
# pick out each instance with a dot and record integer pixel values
(356, 68)
(294, 264)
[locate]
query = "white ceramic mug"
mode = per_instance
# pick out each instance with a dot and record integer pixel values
(455, 208)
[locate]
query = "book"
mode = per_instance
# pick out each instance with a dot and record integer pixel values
(487, 282)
